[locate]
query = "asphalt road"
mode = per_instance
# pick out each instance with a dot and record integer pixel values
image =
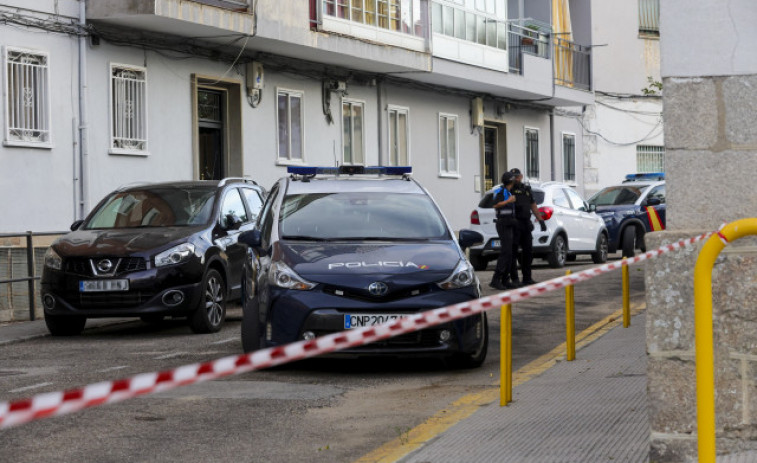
(322, 410)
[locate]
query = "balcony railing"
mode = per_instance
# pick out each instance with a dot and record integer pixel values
(527, 37)
(236, 5)
(572, 64)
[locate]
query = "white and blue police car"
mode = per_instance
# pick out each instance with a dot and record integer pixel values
(342, 248)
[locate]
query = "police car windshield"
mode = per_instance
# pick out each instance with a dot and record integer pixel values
(618, 195)
(357, 216)
(154, 207)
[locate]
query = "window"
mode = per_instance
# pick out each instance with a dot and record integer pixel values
(254, 202)
(232, 206)
(398, 137)
(657, 192)
(559, 198)
(352, 132)
(290, 121)
(448, 144)
(650, 159)
(28, 98)
(394, 15)
(532, 153)
(569, 157)
(128, 110)
(576, 200)
(649, 18)
(482, 27)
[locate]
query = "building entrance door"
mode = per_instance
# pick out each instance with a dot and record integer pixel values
(210, 122)
(491, 174)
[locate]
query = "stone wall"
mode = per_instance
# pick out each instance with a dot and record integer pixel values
(711, 161)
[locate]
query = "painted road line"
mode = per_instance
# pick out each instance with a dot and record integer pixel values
(465, 406)
(29, 388)
(105, 370)
(170, 356)
(225, 341)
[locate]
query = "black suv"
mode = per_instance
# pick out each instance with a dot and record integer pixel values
(338, 248)
(150, 251)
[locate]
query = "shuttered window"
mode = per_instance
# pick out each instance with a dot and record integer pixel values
(650, 158)
(28, 98)
(649, 18)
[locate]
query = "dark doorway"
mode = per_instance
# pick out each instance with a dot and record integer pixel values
(210, 122)
(491, 176)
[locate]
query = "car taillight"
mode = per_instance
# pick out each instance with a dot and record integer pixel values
(546, 212)
(474, 218)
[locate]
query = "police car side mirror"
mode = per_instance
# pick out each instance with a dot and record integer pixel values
(468, 238)
(653, 202)
(592, 208)
(251, 238)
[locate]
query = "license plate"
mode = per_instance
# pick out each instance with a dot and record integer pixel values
(495, 243)
(362, 320)
(99, 286)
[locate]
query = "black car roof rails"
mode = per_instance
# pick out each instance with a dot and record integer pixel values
(126, 186)
(227, 180)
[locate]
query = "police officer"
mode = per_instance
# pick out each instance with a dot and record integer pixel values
(504, 206)
(524, 206)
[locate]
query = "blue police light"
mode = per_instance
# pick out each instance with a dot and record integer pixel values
(350, 170)
(645, 176)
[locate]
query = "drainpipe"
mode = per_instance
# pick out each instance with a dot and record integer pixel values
(380, 104)
(83, 145)
(552, 143)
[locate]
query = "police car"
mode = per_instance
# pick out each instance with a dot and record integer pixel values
(632, 209)
(343, 248)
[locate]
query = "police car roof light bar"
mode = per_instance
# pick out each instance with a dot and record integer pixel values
(350, 170)
(645, 176)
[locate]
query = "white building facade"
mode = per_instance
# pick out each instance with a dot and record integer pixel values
(103, 93)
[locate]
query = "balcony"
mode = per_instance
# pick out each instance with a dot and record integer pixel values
(183, 18)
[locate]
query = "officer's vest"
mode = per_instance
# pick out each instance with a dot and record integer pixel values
(499, 195)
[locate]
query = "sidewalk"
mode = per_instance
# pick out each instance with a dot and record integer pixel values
(593, 409)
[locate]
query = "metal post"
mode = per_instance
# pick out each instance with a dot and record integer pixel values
(30, 270)
(505, 356)
(626, 296)
(570, 322)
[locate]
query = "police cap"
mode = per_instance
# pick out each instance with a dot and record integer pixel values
(515, 171)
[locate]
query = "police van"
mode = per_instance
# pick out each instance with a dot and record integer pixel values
(343, 248)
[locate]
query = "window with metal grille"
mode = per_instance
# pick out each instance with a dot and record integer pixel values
(128, 110)
(28, 98)
(398, 136)
(448, 164)
(352, 131)
(532, 153)
(649, 18)
(569, 157)
(650, 158)
(290, 122)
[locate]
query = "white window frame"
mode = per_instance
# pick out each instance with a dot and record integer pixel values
(352, 162)
(442, 172)
(575, 160)
(525, 152)
(142, 112)
(289, 160)
(398, 110)
(41, 106)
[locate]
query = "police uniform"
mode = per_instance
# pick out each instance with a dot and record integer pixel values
(522, 238)
(505, 223)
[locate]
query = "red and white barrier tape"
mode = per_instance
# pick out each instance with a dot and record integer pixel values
(61, 403)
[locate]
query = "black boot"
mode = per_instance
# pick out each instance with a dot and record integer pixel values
(496, 282)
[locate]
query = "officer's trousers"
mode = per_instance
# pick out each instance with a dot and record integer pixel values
(505, 260)
(522, 239)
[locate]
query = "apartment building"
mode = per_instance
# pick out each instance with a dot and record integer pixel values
(102, 93)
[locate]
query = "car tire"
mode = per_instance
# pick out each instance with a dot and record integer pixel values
(65, 325)
(600, 255)
(628, 243)
(474, 359)
(210, 313)
(558, 252)
(478, 262)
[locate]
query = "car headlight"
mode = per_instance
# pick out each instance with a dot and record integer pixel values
(284, 277)
(460, 278)
(53, 260)
(176, 255)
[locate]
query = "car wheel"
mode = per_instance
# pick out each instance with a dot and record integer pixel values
(211, 312)
(65, 326)
(474, 359)
(559, 252)
(152, 319)
(478, 262)
(600, 256)
(628, 243)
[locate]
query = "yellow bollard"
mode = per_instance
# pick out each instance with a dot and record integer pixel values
(505, 356)
(626, 296)
(570, 322)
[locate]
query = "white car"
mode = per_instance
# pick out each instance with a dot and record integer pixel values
(572, 227)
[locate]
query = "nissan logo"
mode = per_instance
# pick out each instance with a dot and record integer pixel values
(378, 288)
(105, 266)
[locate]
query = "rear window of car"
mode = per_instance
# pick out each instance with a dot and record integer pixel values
(618, 195)
(154, 207)
(361, 216)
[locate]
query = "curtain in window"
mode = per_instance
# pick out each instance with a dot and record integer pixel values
(563, 33)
